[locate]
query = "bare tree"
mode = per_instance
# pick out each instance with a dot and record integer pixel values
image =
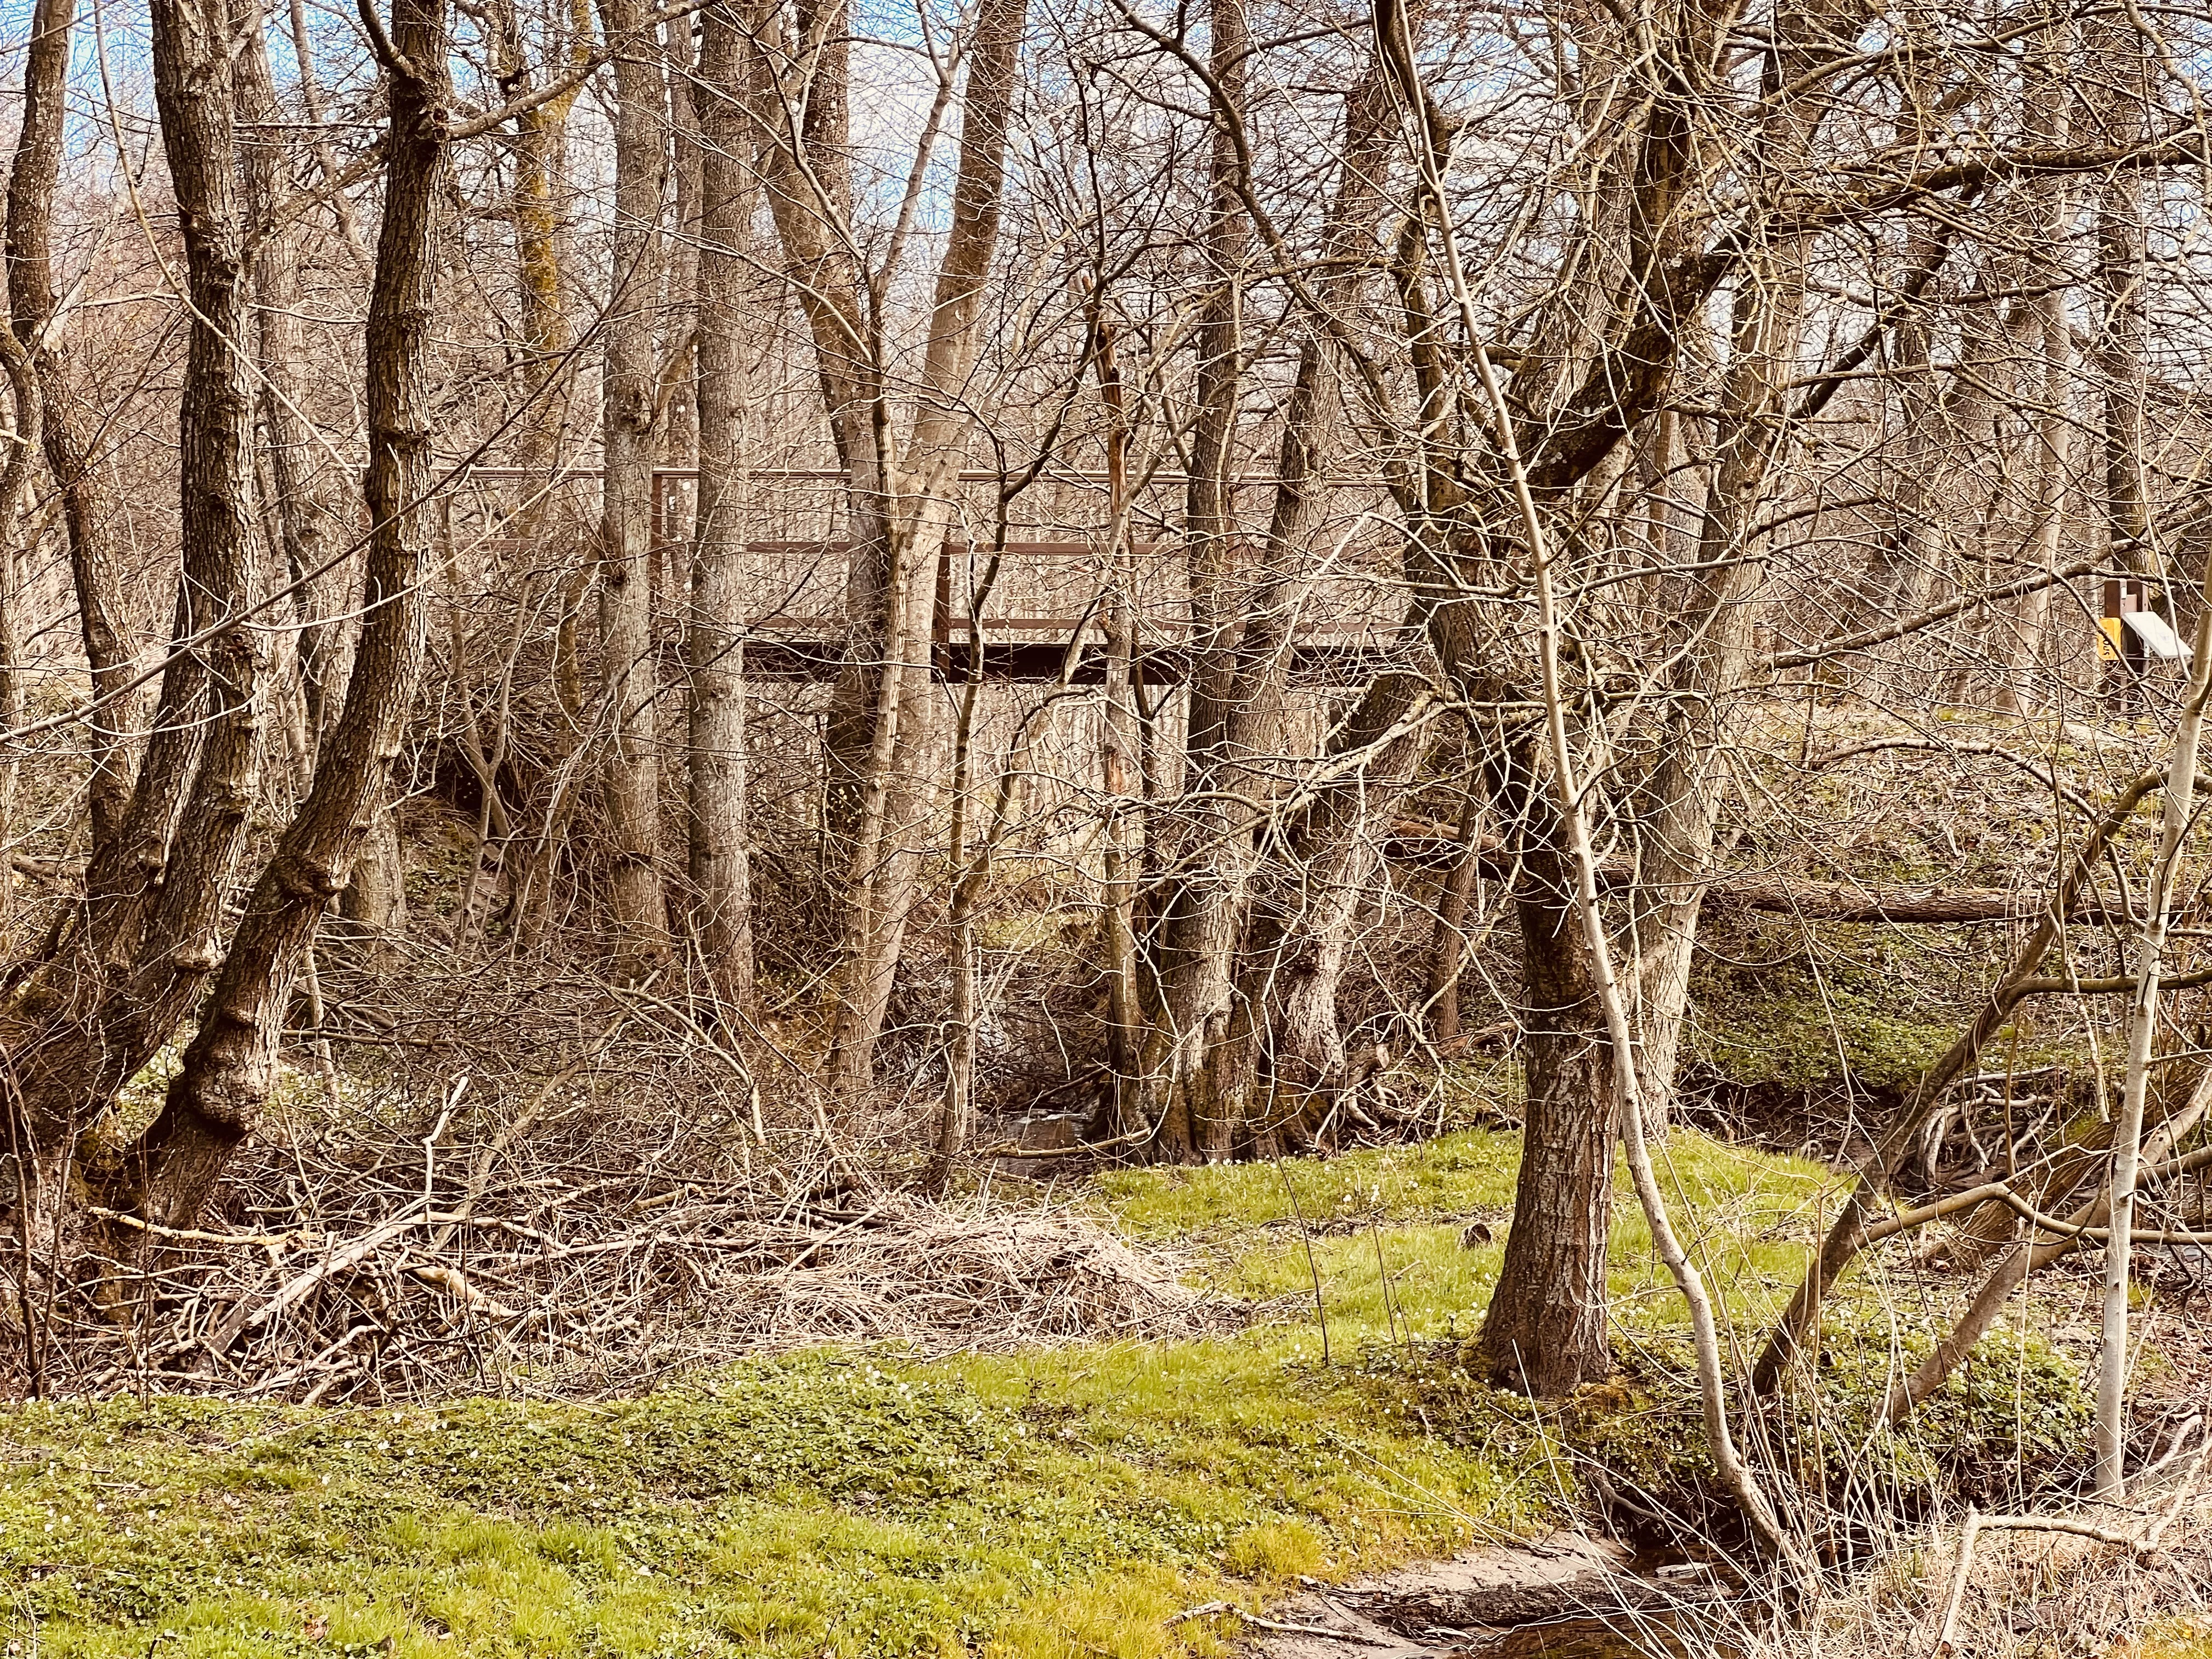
(229, 1067)
(631, 382)
(719, 860)
(68, 426)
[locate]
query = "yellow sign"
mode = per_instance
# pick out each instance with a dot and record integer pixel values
(2108, 639)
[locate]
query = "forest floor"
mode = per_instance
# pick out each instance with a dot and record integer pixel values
(1127, 1498)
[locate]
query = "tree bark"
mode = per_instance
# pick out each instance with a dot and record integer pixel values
(67, 428)
(631, 781)
(1202, 912)
(215, 1101)
(1545, 1329)
(905, 759)
(1248, 956)
(720, 867)
(151, 929)
(1314, 880)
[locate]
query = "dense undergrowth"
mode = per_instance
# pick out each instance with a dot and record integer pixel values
(1057, 1501)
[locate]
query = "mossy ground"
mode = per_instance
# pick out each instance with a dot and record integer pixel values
(1778, 1004)
(1055, 1502)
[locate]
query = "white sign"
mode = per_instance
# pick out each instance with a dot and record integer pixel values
(2157, 635)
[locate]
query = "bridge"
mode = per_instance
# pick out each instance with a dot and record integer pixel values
(1040, 618)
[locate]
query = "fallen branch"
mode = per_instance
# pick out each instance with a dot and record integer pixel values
(1414, 842)
(2002, 1192)
(454, 1283)
(198, 1235)
(1215, 1609)
(242, 1320)
(2140, 1544)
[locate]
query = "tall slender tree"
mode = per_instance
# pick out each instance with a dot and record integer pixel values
(628, 679)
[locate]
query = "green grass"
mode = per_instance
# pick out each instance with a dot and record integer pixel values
(1057, 1502)
(817, 1505)
(1747, 1214)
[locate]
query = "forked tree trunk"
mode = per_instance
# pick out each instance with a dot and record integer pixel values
(1287, 1048)
(151, 931)
(216, 1098)
(1282, 1056)
(1541, 1331)
(69, 431)
(905, 760)
(631, 780)
(1251, 944)
(1571, 404)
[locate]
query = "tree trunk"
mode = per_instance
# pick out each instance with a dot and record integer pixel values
(798, 75)
(721, 867)
(1573, 401)
(15, 474)
(1202, 912)
(373, 903)
(1314, 880)
(679, 431)
(2047, 337)
(1715, 615)
(305, 522)
(1119, 762)
(2119, 105)
(1545, 1330)
(544, 519)
(215, 1101)
(2120, 253)
(68, 429)
(1448, 943)
(630, 782)
(906, 754)
(157, 900)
